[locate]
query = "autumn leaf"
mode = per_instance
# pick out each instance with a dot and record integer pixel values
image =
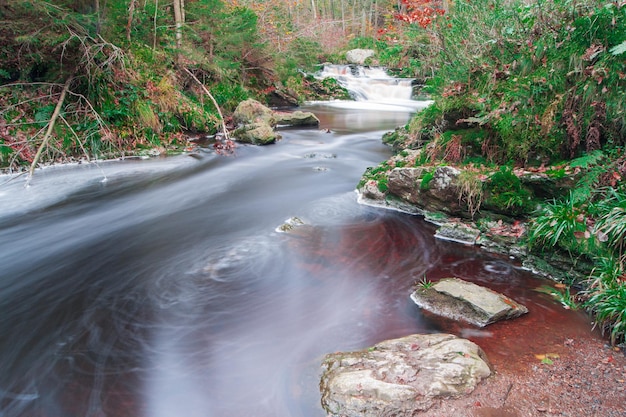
(547, 358)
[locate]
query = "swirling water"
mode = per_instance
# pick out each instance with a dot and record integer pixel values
(167, 291)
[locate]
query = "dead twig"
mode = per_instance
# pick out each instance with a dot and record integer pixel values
(208, 93)
(46, 138)
(508, 392)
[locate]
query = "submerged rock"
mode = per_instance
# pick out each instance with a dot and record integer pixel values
(296, 118)
(465, 301)
(290, 224)
(401, 377)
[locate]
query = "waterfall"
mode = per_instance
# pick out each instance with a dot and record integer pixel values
(372, 87)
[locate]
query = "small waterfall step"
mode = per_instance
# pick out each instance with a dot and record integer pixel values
(369, 83)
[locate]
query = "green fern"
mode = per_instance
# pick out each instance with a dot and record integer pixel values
(586, 185)
(619, 49)
(587, 160)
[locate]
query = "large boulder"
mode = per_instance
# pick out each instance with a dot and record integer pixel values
(358, 56)
(251, 111)
(401, 377)
(256, 122)
(465, 301)
(256, 134)
(438, 190)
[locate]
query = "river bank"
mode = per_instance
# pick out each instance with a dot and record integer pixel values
(555, 372)
(579, 376)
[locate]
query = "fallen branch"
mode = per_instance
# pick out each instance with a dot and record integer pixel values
(46, 138)
(208, 93)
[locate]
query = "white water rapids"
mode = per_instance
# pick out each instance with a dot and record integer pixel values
(373, 89)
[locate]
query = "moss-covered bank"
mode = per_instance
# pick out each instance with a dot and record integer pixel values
(529, 111)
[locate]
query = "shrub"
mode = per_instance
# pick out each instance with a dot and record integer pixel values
(609, 308)
(362, 42)
(562, 225)
(611, 224)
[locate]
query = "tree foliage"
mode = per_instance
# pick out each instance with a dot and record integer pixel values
(421, 12)
(126, 60)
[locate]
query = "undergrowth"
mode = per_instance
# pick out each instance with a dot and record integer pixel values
(533, 86)
(129, 87)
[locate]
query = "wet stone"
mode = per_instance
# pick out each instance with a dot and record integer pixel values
(401, 377)
(465, 301)
(458, 233)
(290, 224)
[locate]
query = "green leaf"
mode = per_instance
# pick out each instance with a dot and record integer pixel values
(44, 113)
(619, 49)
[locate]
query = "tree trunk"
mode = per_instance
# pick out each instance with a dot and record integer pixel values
(343, 16)
(353, 19)
(314, 9)
(97, 11)
(129, 24)
(363, 21)
(178, 20)
(156, 15)
(375, 25)
(371, 14)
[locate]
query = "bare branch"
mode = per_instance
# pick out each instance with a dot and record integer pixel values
(208, 93)
(80, 143)
(46, 138)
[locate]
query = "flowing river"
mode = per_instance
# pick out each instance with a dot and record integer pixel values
(165, 290)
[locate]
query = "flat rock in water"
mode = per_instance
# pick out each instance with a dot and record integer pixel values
(296, 118)
(465, 301)
(401, 377)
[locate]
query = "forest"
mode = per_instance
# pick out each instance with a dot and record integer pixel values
(537, 84)
(128, 68)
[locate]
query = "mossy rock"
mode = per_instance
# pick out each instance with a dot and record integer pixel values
(296, 118)
(251, 111)
(256, 134)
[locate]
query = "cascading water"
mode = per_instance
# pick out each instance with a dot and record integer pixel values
(372, 87)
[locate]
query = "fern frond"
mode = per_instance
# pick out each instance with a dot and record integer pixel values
(587, 160)
(618, 49)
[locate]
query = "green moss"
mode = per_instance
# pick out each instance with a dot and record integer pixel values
(506, 194)
(378, 174)
(427, 177)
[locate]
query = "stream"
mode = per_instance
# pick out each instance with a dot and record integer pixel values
(162, 288)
